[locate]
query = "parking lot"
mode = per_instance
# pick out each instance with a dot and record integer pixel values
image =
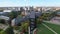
(55, 20)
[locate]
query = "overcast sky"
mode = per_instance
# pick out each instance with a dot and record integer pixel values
(14, 3)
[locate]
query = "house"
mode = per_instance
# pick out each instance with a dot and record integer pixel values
(17, 21)
(20, 19)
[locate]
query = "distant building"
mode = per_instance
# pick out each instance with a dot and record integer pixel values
(58, 14)
(4, 13)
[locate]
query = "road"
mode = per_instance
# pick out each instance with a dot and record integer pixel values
(55, 20)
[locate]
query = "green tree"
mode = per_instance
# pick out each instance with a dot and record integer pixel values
(13, 14)
(9, 30)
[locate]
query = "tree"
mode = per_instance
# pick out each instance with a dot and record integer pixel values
(13, 14)
(2, 21)
(9, 30)
(19, 12)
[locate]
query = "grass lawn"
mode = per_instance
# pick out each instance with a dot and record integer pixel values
(54, 27)
(1, 29)
(43, 30)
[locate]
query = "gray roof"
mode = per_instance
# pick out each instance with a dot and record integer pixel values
(4, 17)
(38, 14)
(4, 13)
(32, 14)
(21, 19)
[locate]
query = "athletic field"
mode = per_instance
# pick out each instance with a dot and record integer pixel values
(48, 28)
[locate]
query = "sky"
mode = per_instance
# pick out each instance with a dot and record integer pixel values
(18, 3)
